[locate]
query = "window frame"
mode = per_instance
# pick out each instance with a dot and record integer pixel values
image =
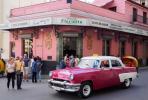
(119, 66)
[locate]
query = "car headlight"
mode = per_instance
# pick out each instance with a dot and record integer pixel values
(71, 77)
(50, 74)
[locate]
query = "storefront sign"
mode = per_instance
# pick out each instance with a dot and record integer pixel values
(20, 24)
(30, 23)
(113, 26)
(97, 23)
(74, 21)
(70, 21)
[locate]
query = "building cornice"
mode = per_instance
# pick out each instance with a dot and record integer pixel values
(138, 4)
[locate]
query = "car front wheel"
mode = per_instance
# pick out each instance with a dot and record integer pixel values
(85, 90)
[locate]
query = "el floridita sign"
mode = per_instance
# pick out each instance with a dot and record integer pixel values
(73, 21)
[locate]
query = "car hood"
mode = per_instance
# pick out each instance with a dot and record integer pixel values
(64, 74)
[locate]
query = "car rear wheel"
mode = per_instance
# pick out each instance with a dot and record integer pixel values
(85, 90)
(126, 83)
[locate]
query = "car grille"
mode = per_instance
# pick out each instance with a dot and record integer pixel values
(58, 85)
(61, 80)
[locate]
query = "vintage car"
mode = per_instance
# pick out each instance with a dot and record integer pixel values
(92, 73)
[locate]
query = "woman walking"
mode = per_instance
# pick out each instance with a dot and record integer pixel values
(10, 70)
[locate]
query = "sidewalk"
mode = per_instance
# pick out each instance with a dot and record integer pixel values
(143, 68)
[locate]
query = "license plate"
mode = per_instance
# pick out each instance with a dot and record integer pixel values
(57, 88)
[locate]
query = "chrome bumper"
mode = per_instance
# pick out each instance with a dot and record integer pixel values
(63, 86)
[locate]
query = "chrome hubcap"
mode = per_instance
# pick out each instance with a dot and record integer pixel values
(86, 90)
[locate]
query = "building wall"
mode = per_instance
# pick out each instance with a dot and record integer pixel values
(44, 43)
(91, 43)
(5, 7)
(1, 17)
(129, 9)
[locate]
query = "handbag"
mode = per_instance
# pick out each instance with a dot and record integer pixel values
(18, 72)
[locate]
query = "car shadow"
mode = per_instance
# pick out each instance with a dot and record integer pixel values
(99, 93)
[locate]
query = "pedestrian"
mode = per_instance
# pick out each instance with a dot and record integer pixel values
(19, 71)
(2, 66)
(39, 67)
(72, 61)
(10, 71)
(66, 57)
(34, 70)
(76, 60)
(67, 63)
(62, 64)
(26, 66)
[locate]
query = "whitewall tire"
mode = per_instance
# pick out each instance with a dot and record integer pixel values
(85, 90)
(126, 83)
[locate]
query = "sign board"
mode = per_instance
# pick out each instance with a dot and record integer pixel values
(69, 21)
(75, 22)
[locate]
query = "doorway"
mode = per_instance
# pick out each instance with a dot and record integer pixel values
(27, 47)
(69, 43)
(69, 46)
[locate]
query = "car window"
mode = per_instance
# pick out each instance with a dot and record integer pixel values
(96, 63)
(88, 63)
(115, 63)
(104, 64)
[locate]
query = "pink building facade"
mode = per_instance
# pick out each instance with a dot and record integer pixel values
(107, 27)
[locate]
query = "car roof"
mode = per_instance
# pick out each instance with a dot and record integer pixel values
(100, 57)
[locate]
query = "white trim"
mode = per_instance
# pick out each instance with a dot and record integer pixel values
(124, 76)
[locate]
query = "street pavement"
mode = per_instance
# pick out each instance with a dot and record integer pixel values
(41, 91)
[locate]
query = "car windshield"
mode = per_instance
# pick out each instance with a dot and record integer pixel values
(88, 63)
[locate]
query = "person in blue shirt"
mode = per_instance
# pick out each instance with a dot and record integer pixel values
(62, 64)
(34, 71)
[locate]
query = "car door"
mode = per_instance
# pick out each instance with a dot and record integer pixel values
(104, 75)
(117, 69)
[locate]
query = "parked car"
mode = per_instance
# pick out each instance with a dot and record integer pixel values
(92, 73)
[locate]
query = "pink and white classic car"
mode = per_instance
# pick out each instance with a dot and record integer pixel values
(92, 73)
